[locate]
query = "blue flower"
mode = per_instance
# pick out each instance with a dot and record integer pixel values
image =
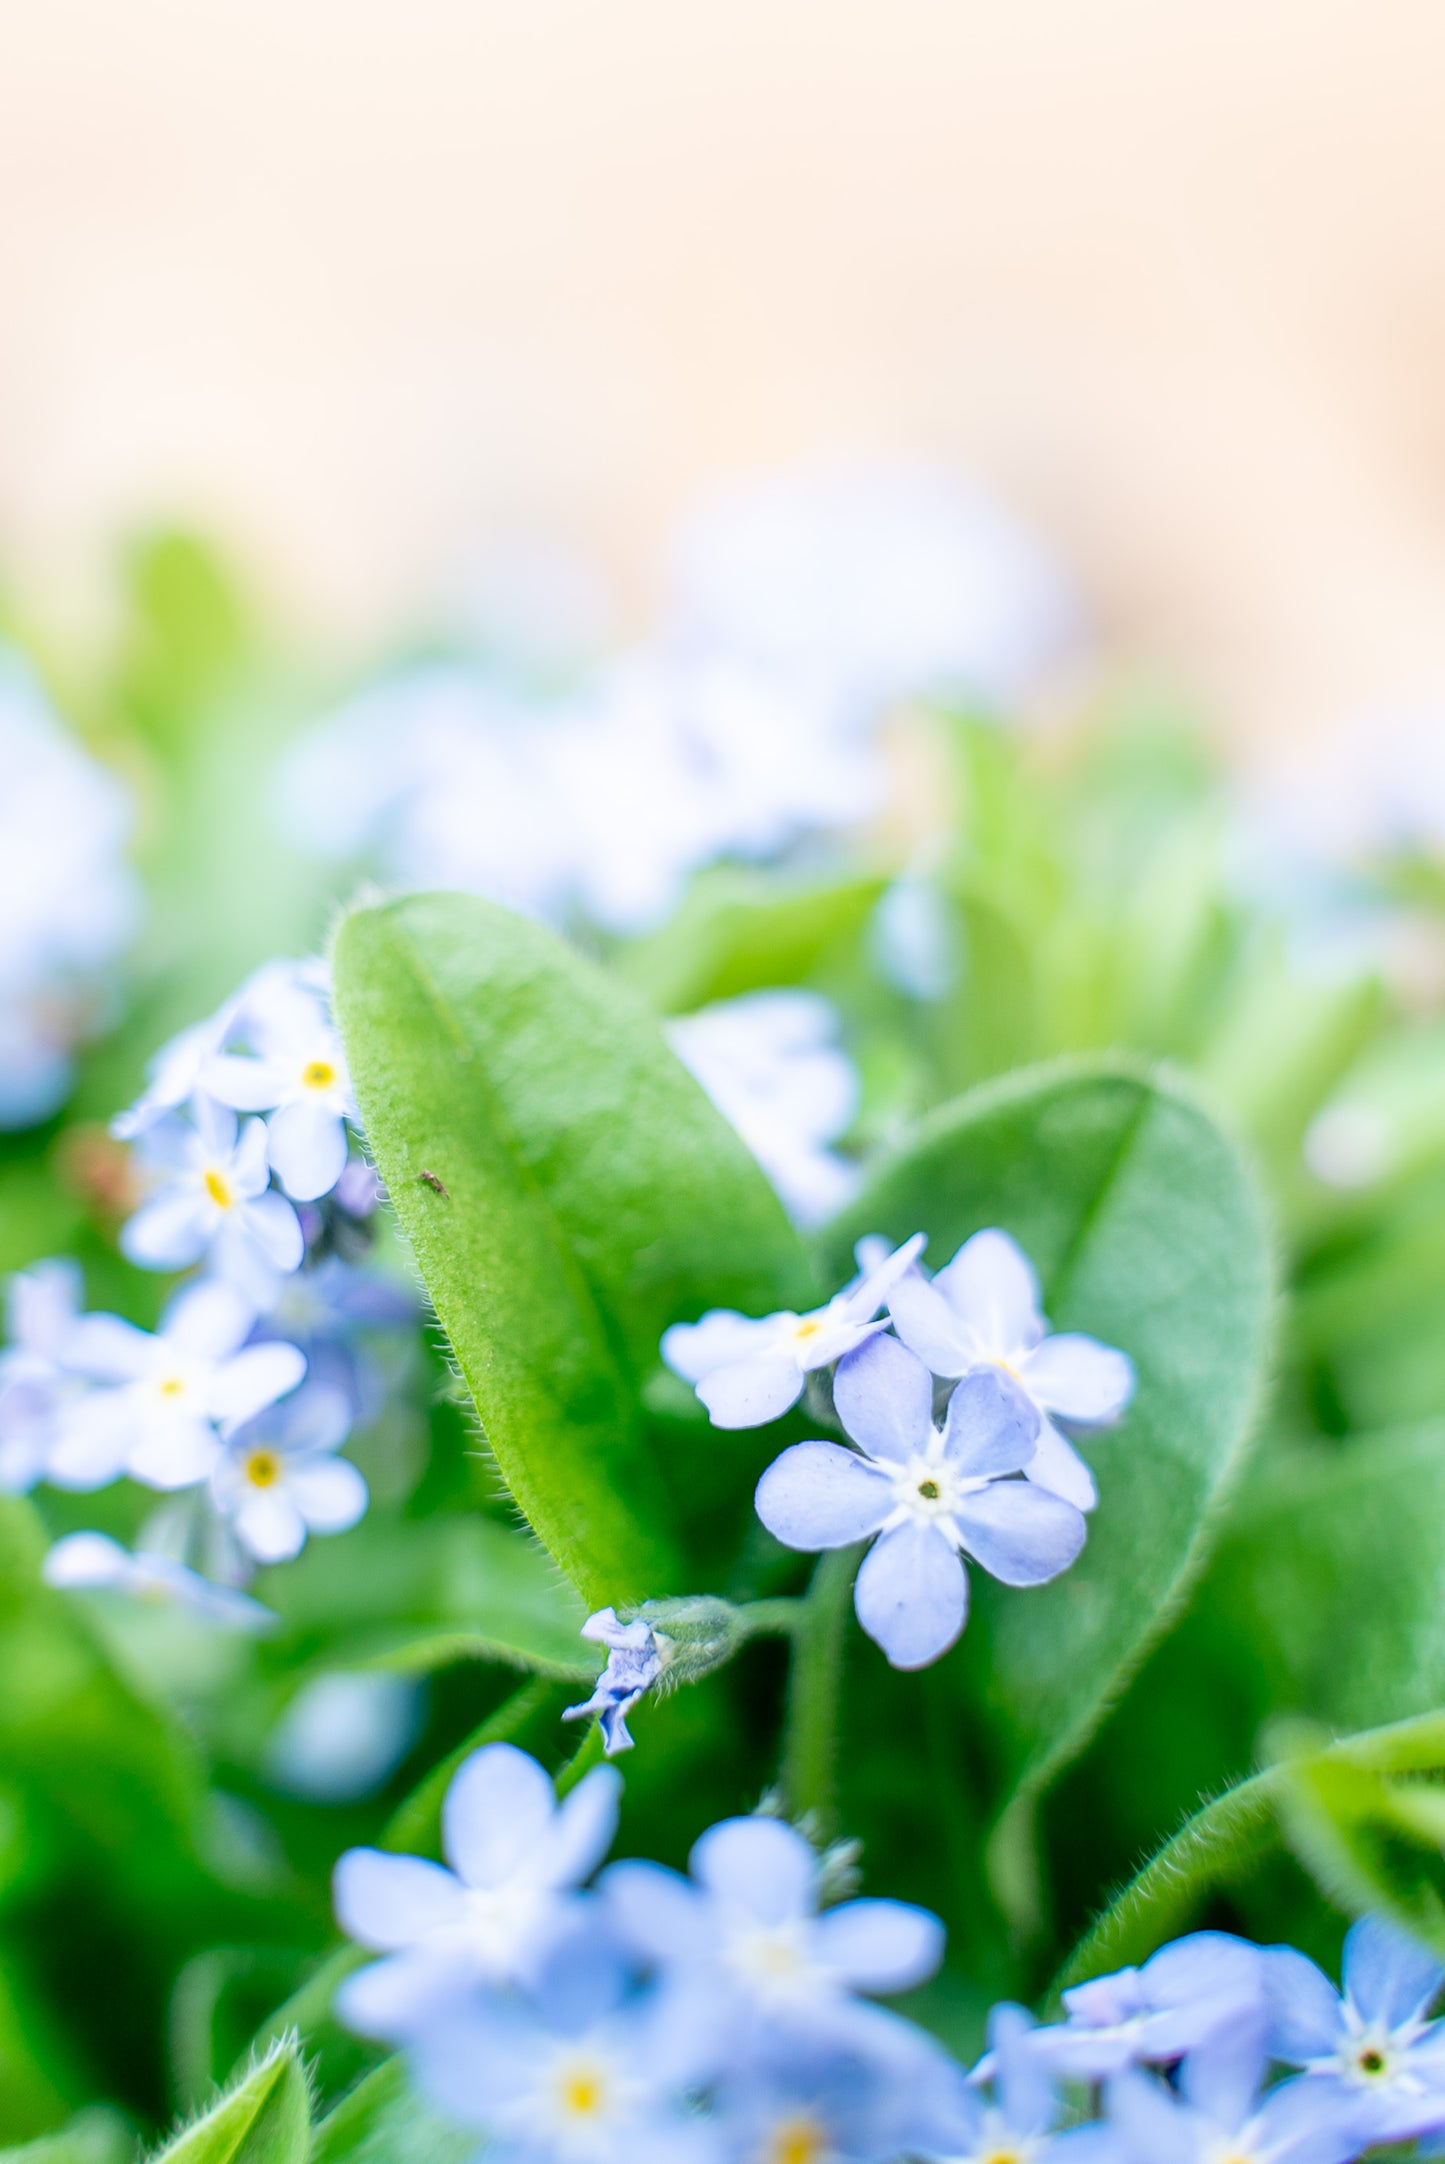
(1018, 2123)
(982, 1310)
(278, 1477)
(930, 1495)
(295, 1070)
(1371, 2044)
(93, 1562)
(1219, 2116)
(810, 2104)
(515, 1855)
(749, 1369)
(1156, 2013)
(212, 1199)
(634, 1663)
(743, 1951)
(41, 1310)
(568, 2070)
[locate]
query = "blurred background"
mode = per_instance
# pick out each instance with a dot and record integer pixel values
(361, 288)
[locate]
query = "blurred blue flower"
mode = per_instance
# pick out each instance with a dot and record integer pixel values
(515, 1856)
(818, 2104)
(748, 1370)
(770, 1063)
(743, 1952)
(331, 1309)
(165, 1399)
(570, 2070)
(212, 1199)
(93, 1562)
(296, 1071)
(1373, 2044)
(634, 1663)
(36, 1387)
(1157, 2012)
(277, 1477)
(1219, 2115)
(931, 1495)
(982, 1309)
(1018, 2123)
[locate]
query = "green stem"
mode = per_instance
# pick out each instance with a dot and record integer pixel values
(810, 1741)
(771, 1618)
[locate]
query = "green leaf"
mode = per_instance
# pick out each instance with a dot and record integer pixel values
(1222, 1842)
(384, 2121)
(96, 2136)
(1328, 1583)
(739, 931)
(1373, 1841)
(1146, 1231)
(586, 1196)
(265, 2118)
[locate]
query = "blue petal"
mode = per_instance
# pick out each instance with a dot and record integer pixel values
(884, 1398)
(1390, 1978)
(912, 1595)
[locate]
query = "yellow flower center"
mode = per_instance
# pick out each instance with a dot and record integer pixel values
(796, 2141)
(582, 2092)
(807, 1328)
(263, 1468)
(929, 1490)
(318, 1074)
(218, 1187)
(171, 1386)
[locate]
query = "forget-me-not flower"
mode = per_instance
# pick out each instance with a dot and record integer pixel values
(278, 1478)
(930, 1495)
(514, 1857)
(297, 1073)
(166, 1398)
(982, 1310)
(93, 1562)
(1155, 2013)
(771, 1064)
(213, 1198)
(1373, 2043)
(634, 1663)
(41, 1306)
(743, 1946)
(802, 2103)
(1017, 2123)
(748, 1370)
(1218, 2115)
(567, 2070)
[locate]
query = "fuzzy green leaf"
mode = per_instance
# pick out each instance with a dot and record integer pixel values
(384, 2121)
(264, 2119)
(591, 1196)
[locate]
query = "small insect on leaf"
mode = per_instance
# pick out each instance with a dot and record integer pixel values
(430, 1180)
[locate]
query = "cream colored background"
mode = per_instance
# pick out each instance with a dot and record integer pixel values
(356, 279)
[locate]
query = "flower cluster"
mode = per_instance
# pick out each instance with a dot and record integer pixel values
(955, 1426)
(237, 1405)
(728, 2013)
(725, 2012)
(68, 901)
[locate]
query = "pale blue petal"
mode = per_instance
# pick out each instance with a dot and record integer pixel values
(208, 1321)
(1023, 2081)
(884, 1397)
(175, 1453)
(819, 1495)
(168, 1233)
(1057, 1466)
(1021, 1535)
(694, 1349)
(496, 1811)
(1311, 2121)
(1389, 1976)
(254, 1379)
(991, 1426)
(873, 1291)
(245, 1084)
(581, 1829)
(912, 1595)
(276, 1230)
(990, 1285)
(1079, 1379)
(330, 1493)
(758, 1865)
(881, 1946)
(928, 1326)
(386, 1902)
(306, 1146)
(1222, 2077)
(1305, 2017)
(110, 1350)
(749, 1393)
(658, 1912)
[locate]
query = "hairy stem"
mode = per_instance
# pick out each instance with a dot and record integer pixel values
(810, 1740)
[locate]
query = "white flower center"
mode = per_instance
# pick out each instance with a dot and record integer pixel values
(1368, 2058)
(776, 1960)
(929, 1490)
(1000, 2145)
(498, 1920)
